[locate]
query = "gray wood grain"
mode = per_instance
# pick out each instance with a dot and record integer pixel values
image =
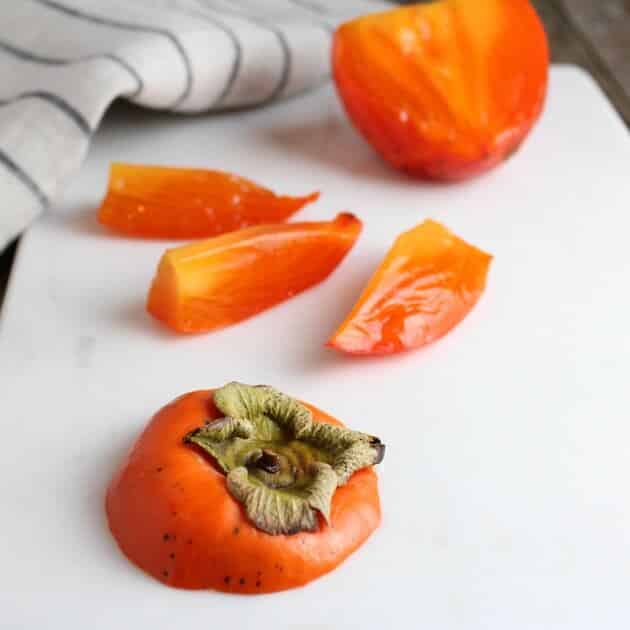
(600, 32)
(606, 24)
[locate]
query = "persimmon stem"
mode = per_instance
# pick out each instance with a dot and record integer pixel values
(280, 465)
(268, 461)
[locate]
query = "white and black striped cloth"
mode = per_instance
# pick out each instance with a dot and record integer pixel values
(62, 62)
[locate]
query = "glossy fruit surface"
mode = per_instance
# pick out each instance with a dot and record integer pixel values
(217, 282)
(444, 90)
(161, 202)
(428, 282)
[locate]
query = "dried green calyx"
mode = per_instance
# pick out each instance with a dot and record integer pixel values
(282, 467)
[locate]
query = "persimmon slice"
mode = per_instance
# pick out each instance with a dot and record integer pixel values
(161, 202)
(220, 281)
(428, 282)
(215, 468)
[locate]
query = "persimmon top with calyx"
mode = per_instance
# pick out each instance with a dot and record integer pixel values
(220, 281)
(244, 489)
(428, 282)
(167, 202)
(280, 465)
(444, 90)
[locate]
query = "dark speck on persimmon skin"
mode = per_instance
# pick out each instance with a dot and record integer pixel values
(227, 579)
(166, 537)
(171, 556)
(258, 583)
(165, 573)
(159, 469)
(235, 531)
(241, 581)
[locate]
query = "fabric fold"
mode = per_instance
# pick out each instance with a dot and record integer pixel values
(63, 62)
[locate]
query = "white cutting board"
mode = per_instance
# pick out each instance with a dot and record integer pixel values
(505, 487)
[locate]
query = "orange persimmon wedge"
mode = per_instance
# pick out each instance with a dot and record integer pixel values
(161, 202)
(444, 90)
(427, 283)
(220, 281)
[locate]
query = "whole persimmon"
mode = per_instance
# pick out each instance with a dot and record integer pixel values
(444, 90)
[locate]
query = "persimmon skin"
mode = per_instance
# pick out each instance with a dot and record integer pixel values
(428, 282)
(215, 283)
(445, 90)
(172, 515)
(179, 203)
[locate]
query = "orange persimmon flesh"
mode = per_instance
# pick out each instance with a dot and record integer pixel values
(428, 282)
(220, 281)
(444, 90)
(161, 202)
(172, 515)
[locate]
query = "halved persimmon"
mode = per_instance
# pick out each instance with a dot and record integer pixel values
(444, 90)
(428, 282)
(245, 490)
(166, 202)
(220, 281)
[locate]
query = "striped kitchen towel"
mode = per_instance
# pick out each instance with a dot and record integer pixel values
(62, 62)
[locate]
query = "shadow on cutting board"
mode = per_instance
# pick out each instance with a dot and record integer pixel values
(333, 142)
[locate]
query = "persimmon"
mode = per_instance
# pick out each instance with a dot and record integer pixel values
(444, 90)
(244, 489)
(217, 282)
(167, 202)
(428, 282)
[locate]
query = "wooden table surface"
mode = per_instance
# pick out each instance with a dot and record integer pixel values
(594, 34)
